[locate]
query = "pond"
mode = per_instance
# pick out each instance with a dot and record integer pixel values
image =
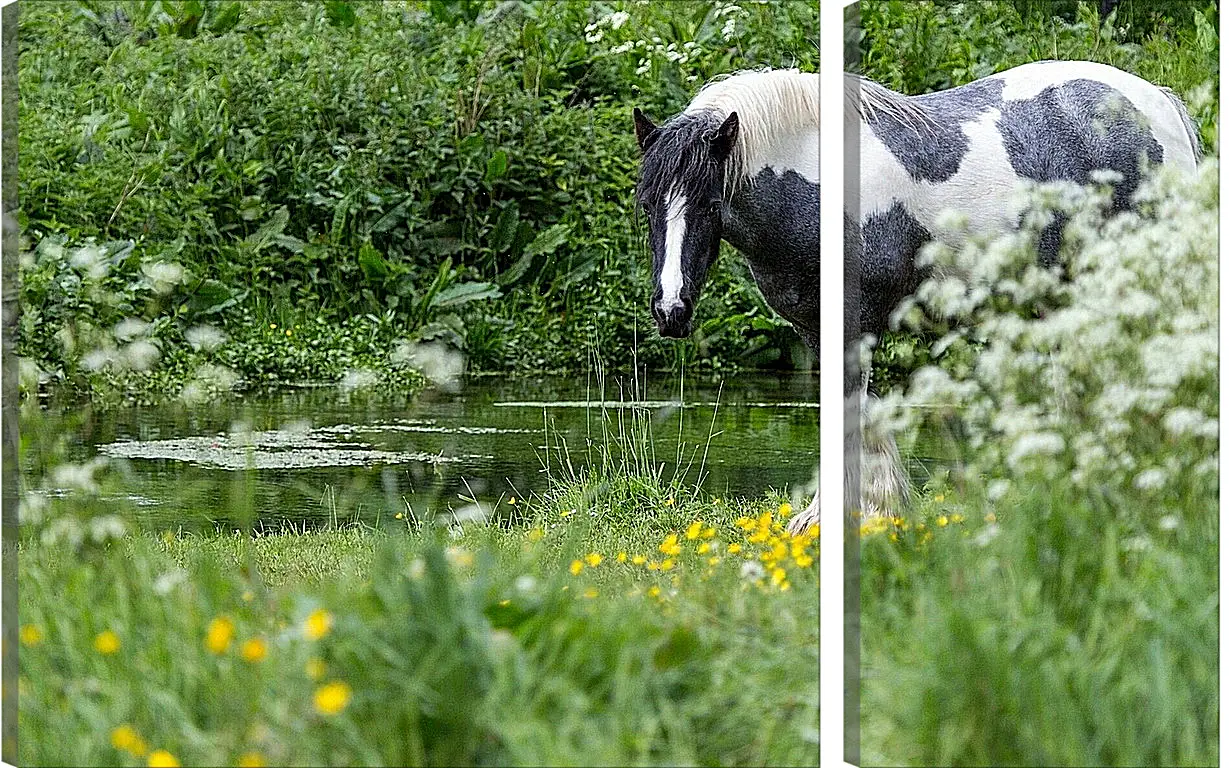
(309, 456)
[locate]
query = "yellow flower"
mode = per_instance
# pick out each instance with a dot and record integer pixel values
(670, 502)
(785, 509)
(221, 631)
(106, 642)
(460, 558)
(991, 517)
(252, 760)
(314, 668)
(567, 513)
(273, 326)
(671, 545)
(332, 698)
(576, 567)
(287, 331)
(667, 564)
(638, 560)
(778, 575)
(162, 759)
(704, 548)
(621, 557)
(127, 739)
(654, 591)
(318, 624)
(714, 560)
(590, 593)
(535, 535)
(254, 649)
(939, 497)
(653, 565)
(31, 635)
(804, 561)
(709, 533)
(734, 549)
(512, 501)
(957, 518)
(593, 559)
(942, 521)
(399, 515)
(693, 530)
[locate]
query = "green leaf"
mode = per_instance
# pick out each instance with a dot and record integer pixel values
(497, 166)
(543, 245)
(211, 297)
(505, 228)
(339, 13)
(463, 293)
(226, 19)
(270, 229)
(372, 262)
(292, 244)
(548, 240)
(391, 218)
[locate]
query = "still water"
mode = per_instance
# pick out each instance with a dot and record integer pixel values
(309, 456)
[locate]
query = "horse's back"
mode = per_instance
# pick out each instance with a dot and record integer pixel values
(968, 149)
(1086, 85)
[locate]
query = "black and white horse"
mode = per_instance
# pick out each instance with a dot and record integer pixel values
(741, 163)
(967, 150)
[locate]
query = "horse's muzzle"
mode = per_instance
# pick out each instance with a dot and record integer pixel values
(675, 322)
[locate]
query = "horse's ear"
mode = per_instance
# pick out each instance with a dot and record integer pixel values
(723, 140)
(645, 130)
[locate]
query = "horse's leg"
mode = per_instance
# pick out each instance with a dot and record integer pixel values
(884, 482)
(806, 518)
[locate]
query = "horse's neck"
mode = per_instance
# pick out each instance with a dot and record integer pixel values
(774, 222)
(773, 216)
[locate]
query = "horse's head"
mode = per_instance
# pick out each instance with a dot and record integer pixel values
(681, 191)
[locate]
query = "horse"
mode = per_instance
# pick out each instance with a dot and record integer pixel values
(740, 163)
(967, 150)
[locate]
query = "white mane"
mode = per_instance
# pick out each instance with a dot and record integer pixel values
(770, 103)
(865, 99)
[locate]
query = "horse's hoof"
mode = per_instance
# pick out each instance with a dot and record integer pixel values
(800, 522)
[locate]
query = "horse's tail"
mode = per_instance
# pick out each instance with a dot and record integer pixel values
(1187, 123)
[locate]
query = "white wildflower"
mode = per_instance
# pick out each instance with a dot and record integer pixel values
(129, 328)
(204, 338)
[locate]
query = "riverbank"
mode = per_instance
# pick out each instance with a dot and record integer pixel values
(620, 624)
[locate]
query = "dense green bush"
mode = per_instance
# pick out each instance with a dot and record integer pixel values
(302, 160)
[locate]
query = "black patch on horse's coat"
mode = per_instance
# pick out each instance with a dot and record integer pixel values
(774, 222)
(888, 268)
(1046, 141)
(932, 148)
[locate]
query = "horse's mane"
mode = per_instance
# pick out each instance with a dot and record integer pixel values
(869, 100)
(769, 103)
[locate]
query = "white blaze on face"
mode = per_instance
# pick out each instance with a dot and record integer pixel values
(672, 269)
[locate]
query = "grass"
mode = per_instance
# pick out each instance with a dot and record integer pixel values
(1042, 629)
(615, 627)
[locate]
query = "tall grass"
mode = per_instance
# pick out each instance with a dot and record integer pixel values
(1055, 600)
